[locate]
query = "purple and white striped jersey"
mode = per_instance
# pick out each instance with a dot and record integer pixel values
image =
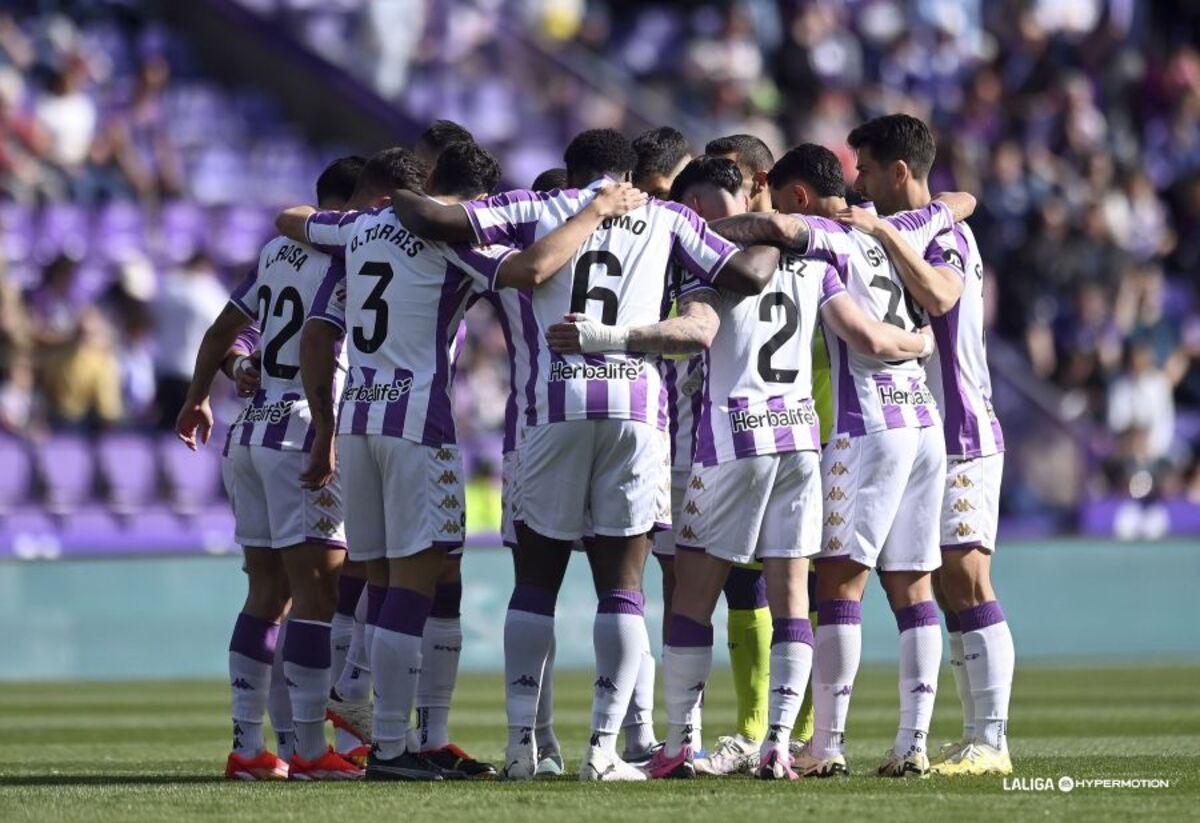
(619, 276)
(758, 371)
(514, 311)
(278, 295)
(400, 301)
(683, 381)
(959, 373)
(871, 395)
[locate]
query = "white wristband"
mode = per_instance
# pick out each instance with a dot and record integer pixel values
(238, 364)
(596, 337)
(926, 346)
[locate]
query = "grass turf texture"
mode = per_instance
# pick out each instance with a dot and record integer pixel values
(155, 751)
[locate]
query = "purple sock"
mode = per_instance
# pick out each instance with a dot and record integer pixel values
(745, 589)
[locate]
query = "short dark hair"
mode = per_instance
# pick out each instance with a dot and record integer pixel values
(464, 170)
(390, 169)
(339, 179)
(442, 134)
(714, 171)
(812, 164)
(659, 151)
(897, 137)
(597, 152)
(550, 179)
(750, 151)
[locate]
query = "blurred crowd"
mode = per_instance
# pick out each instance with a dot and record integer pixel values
(1077, 124)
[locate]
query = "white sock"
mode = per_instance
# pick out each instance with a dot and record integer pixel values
(279, 702)
(687, 663)
(440, 651)
(835, 665)
(528, 636)
(306, 654)
(920, 660)
(962, 683)
(639, 718)
(396, 667)
(547, 741)
(791, 665)
(341, 632)
(354, 678)
(619, 637)
(251, 651)
(990, 659)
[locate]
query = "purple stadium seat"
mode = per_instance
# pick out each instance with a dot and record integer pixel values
(238, 234)
(118, 232)
(194, 478)
(92, 530)
(16, 477)
(62, 229)
(129, 466)
(66, 465)
(29, 533)
(184, 226)
(16, 231)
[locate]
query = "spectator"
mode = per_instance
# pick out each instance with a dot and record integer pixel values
(189, 300)
(1140, 401)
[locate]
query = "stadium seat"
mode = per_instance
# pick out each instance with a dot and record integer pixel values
(182, 231)
(16, 231)
(194, 478)
(16, 478)
(129, 468)
(28, 533)
(118, 232)
(67, 468)
(62, 229)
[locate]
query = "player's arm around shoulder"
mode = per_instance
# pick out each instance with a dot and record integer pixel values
(691, 331)
(535, 265)
(869, 336)
(293, 222)
(936, 288)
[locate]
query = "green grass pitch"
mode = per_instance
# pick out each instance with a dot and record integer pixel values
(155, 751)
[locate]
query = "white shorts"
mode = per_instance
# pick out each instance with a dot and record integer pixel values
(883, 498)
(664, 539)
(616, 471)
(401, 497)
(509, 475)
(971, 507)
(754, 508)
(270, 507)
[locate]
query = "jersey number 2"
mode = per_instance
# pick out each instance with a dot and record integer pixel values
(791, 324)
(288, 300)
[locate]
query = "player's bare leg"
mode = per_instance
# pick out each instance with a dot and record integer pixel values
(838, 650)
(687, 656)
(251, 653)
(791, 661)
(540, 563)
(910, 594)
(986, 648)
(621, 643)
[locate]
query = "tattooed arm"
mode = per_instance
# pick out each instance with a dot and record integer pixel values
(784, 230)
(691, 331)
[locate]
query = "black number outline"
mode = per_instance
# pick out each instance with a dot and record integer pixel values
(374, 303)
(581, 294)
(791, 324)
(270, 359)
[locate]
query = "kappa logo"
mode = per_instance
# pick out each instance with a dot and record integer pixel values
(691, 507)
(685, 735)
(786, 691)
(836, 493)
(444, 454)
(833, 545)
(326, 525)
(834, 519)
(923, 688)
(450, 527)
(963, 530)
(687, 534)
(242, 685)
(448, 478)
(449, 502)
(844, 691)
(326, 500)
(962, 504)
(699, 687)
(842, 443)
(697, 484)
(605, 684)
(454, 649)
(962, 481)
(526, 681)
(839, 469)
(775, 731)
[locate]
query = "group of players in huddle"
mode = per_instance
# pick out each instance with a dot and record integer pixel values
(714, 358)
